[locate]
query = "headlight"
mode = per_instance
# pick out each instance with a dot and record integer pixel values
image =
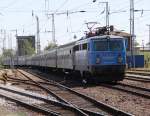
(120, 59)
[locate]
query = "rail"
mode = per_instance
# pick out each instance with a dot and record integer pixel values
(108, 108)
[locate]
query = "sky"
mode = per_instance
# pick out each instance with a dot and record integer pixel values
(17, 14)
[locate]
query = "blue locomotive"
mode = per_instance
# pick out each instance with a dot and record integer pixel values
(101, 57)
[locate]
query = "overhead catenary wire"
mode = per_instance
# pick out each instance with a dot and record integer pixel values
(61, 6)
(80, 6)
(9, 5)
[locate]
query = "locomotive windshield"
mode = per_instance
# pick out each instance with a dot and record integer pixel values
(115, 45)
(100, 45)
(108, 45)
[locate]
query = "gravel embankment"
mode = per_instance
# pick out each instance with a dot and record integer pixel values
(135, 105)
(8, 108)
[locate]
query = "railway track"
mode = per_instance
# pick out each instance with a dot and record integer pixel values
(48, 106)
(78, 100)
(140, 78)
(143, 73)
(134, 90)
(24, 101)
(140, 69)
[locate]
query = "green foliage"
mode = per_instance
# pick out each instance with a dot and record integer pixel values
(8, 52)
(146, 58)
(27, 46)
(50, 46)
(1, 63)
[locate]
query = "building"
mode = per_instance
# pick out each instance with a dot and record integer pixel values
(21, 44)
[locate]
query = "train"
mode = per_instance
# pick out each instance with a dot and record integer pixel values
(99, 57)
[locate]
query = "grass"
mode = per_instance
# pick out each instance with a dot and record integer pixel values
(147, 59)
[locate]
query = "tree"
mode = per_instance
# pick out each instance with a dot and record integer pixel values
(8, 53)
(28, 49)
(50, 46)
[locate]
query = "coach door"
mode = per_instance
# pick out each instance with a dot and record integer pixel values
(75, 56)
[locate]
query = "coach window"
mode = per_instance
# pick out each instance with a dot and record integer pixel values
(76, 48)
(84, 46)
(70, 51)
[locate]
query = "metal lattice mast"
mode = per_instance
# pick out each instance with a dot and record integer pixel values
(107, 15)
(53, 29)
(132, 33)
(149, 35)
(4, 40)
(38, 36)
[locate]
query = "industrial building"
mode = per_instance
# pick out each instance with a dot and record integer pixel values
(21, 44)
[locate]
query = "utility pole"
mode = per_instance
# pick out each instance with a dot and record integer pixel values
(3, 37)
(132, 34)
(4, 40)
(16, 45)
(3, 33)
(143, 45)
(15, 30)
(107, 14)
(11, 57)
(149, 34)
(38, 47)
(53, 28)
(38, 36)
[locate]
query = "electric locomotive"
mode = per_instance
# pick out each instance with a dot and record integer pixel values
(101, 57)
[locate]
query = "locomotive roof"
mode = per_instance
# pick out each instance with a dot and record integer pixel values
(85, 39)
(101, 36)
(105, 36)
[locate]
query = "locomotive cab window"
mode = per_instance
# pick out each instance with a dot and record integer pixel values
(101, 45)
(108, 45)
(116, 45)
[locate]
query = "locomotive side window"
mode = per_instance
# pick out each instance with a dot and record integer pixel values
(84, 46)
